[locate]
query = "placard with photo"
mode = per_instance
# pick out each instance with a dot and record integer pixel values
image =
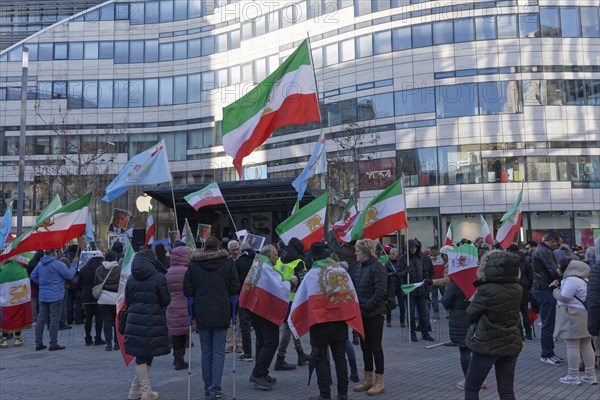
(256, 242)
(204, 231)
(119, 222)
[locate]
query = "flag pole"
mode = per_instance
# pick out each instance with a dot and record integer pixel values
(174, 206)
(229, 212)
(312, 64)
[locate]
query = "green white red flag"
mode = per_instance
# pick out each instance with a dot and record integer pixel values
(187, 236)
(15, 298)
(449, 236)
(306, 224)
(511, 223)
(385, 214)
(56, 229)
(348, 217)
(125, 272)
(264, 292)
(208, 196)
(326, 294)
(485, 231)
(286, 97)
(462, 268)
(409, 287)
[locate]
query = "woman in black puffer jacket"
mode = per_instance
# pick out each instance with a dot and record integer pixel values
(456, 303)
(146, 334)
(494, 336)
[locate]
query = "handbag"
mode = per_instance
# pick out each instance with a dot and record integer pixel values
(122, 320)
(97, 290)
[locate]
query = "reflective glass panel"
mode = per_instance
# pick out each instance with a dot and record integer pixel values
(195, 8)
(181, 8)
(105, 93)
(401, 38)
(151, 51)
(376, 106)
(136, 13)
(121, 55)
(208, 80)
(166, 51)
(165, 91)
(347, 50)
(464, 30)
(569, 20)
(208, 45)
(260, 69)
(590, 22)
(60, 51)
(234, 39)
(166, 10)
(221, 43)
(107, 13)
(485, 28)
(120, 93)
(364, 46)
(549, 21)
(136, 51)
(529, 25)
(44, 51)
(151, 16)
(507, 26)
(136, 93)
(74, 96)
(76, 51)
(90, 50)
(90, 94)
(382, 42)
(330, 54)
(421, 35)
(122, 11)
(59, 90)
(180, 89)
(414, 101)
(180, 50)
(194, 88)
(574, 92)
(194, 48)
(499, 98)
(105, 50)
(456, 100)
(443, 32)
(150, 92)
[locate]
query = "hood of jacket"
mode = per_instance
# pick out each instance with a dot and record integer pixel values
(577, 268)
(210, 260)
(292, 251)
(144, 265)
(109, 264)
(47, 260)
(181, 255)
(414, 242)
(499, 267)
(597, 246)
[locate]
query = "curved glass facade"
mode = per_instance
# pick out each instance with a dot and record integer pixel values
(463, 100)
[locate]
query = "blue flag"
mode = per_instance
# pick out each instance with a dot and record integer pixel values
(150, 167)
(89, 230)
(5, 225)
(317, 164)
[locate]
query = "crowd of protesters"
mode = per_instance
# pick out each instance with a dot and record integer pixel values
(560, 283)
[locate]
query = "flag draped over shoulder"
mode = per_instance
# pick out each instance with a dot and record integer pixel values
(60, 226)
(306, 224)
(511, 223)
(15, 298)
(150, 229)
(317, 164)
(264, 292)
(149, 167)
(348, 217)
(125, 272)
(208, 196)
(485, 231)
(5, 225)
(449, 236)
(286, 97)
(326, 294)
(462, 268)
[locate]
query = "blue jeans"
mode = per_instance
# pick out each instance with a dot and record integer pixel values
(212, 344)
(479, 368)
(547, 304)
(434, 298)
(48, 311)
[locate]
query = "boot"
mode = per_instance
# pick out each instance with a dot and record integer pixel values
(367, 383)
(281, 365)
(378, 388)
(143, 372)
(179, 360)
(413, 337)
(302, 358)
(135, 391)
(427, 337)
(353, 371)
(98, 341)
(89, 341)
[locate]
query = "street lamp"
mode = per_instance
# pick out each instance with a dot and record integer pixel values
(25, 66)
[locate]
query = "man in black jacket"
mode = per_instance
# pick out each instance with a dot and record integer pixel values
(212, 279)
(243, 263)
(544, 273)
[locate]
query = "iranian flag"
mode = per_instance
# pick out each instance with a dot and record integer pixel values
(485, 230)
(385, 214)
(511, 223)
(208, 196)
(187, 236)
(264, 292)
(286, 97)
(15, 298)
(307, 224)
(150, 229)
(409, 287)
(56, 229)
(462, 268)
(449, 236)
(326, 294)
(348, 217)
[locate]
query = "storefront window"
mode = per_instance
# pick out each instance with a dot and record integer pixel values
(501, 169)
(377, 174)
(459, 164)
(418, 167)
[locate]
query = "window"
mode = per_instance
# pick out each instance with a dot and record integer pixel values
(330, 54)
(90, 50)
(247, 30)
(208, 45)
(234, 39)
(44, 51)
(273, 63)
(166, 10)
(247, 73)
(33, 51)
(74, 95)
(382, 42)
(194, 88)
(221, 43)
(165, 91)
(107, 13)
(376, 106)
(529, 25)
(346, 50)
(90, 94)
(120, 93)
(105, 93)
(507, 26)
(485, 28)
(401, 38)
(414, 101)
(260, 69)
(456, 100)
(60, 51)
(194, 8)
(180, 89)
(166, 51)
(59, 90)
(364, 46)
(272, 21)
(574, 92)
(554, 92)
(362, 7)
(233, 75)
(121, 52)
(421, 35)
(499, 98)
(122, 11)
(569, 21)
(137, 13)
(181, 9)
(208, 80)
(151, 51)
(260, 25)
(93, 15)
(44, 90)
(150, 92)
(590, 22)
(549, 22)
(463, 30)
(593, 92)
(194, 48)
(180, 50)
(151, 15)
(418, 166)
(443, 32)
(459, 164)
(136, 93)
(105, 50)
(136, 51)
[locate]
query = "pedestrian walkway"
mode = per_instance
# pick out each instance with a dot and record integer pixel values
(412, 372)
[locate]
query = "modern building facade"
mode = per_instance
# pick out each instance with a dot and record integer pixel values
(467, 101)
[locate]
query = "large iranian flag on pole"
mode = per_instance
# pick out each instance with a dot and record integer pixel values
(348, 217)
(286, 97)
(485, 231)
(511, 223)
(60, 226)
(208, 196)
(15, 297)
(306, 224)
(385, 214)
(326, 294)
(264, 292)
(462, 268)
(448, 241)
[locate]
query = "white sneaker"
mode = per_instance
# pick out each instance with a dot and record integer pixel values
(461, 385)
(592, 380)
(550, 360)
(570, 380)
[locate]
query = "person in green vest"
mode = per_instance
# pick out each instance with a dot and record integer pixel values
(290, 263)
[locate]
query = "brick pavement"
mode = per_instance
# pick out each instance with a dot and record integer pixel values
(412, 373)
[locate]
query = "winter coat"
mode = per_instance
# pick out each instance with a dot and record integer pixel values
(177, 312)
(419, 269)
(456, 303)
(328, 332)
(243, 264)
(86, 279)
(211, 279)
(370, 282)
(544, 267)
(50, 275)
(111, 286)
(526, 278)
(494, 312)
(146, 297)
(571, 315)
(593, 300)
(30, 267)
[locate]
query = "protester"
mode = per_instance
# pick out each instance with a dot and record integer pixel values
(243, 263)
(107, 302)
(50, 275)
(590, 256)
(544, 273)
(146, 333)
(493, 336)
(370, 282)
(438, 284)
(593, 302)
(35, 303)
(233, 247)
(526, 282)
(211, 279)
(90, 304)
(571, 320)
(161, 256)
(349, 347)
(177, 311)
(16, 303)
(400, 296)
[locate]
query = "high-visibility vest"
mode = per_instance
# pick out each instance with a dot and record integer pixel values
(287, 271)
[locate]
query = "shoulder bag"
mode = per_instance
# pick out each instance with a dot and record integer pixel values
(97, 290)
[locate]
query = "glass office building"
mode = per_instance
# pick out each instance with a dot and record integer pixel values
(466, 101)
